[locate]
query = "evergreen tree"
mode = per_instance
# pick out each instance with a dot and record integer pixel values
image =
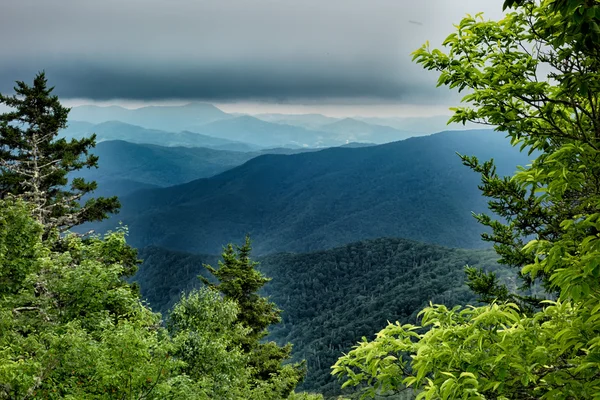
(35, 164)
(240, 281)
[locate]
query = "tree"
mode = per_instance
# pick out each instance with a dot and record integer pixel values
(35, 165)
(71, 327)
(239, 281)
(534, 76)
(204, 329)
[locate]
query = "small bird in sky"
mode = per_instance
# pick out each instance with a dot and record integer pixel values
(415, 22)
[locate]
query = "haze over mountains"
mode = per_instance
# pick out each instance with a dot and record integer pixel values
(173, 125)
(117, 130)
(168, 118)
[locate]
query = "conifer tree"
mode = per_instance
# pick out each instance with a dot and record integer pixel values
(35, 164)
(240, 281)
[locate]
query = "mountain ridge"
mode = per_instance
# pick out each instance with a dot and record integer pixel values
(416, 188)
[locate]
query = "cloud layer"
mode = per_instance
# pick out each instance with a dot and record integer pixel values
(260, 50)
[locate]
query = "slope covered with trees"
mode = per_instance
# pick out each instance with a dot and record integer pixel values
(332, 298)
(158, 165)
(125, 167)
(416, 188)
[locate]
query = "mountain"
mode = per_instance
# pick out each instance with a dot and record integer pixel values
(125, 167)
(354, 130)
(266, 134)
(117, 130)
(357, 144)
(417, 125)
(114, 186)
(416, 188)
(330, 299)
(309, 121)
(168, 118)
(157, 165)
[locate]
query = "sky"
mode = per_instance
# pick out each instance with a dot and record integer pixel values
(342, 56)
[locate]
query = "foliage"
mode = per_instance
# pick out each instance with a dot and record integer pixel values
(205, 332)
(72, 328)
(550, 229)
(334, 297)
(34, 164)
(69, 326)
(239, 281)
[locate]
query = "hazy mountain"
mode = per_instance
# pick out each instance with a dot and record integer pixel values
(158, 165)
(310, 121)
(416, 188)
(125, 167)
(266, 134)
(168, 118)
(357, 144)
(286, 150)
(354, 131)
(418, 125)
(332, 298)
(116, 130)
(114, 186)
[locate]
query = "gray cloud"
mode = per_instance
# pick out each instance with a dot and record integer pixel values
(287, 50)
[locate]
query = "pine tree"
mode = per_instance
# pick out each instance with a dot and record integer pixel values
(240, 281)
(35, 164)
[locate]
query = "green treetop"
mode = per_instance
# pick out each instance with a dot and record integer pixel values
(34, 164)
(533, 75)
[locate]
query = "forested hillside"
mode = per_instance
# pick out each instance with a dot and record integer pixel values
(416, 188)
(125, 167)
(158, 165)
(332, 298)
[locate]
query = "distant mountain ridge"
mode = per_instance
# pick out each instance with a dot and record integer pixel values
(267, 134)
(262, 130)
(168, 118)
(416, 188)
(125, 167)
(117, 130)
(362, 131)
(160, 166)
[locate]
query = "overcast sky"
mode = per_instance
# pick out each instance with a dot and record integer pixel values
(285, 52)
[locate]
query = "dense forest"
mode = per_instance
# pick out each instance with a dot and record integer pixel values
(333, 298)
